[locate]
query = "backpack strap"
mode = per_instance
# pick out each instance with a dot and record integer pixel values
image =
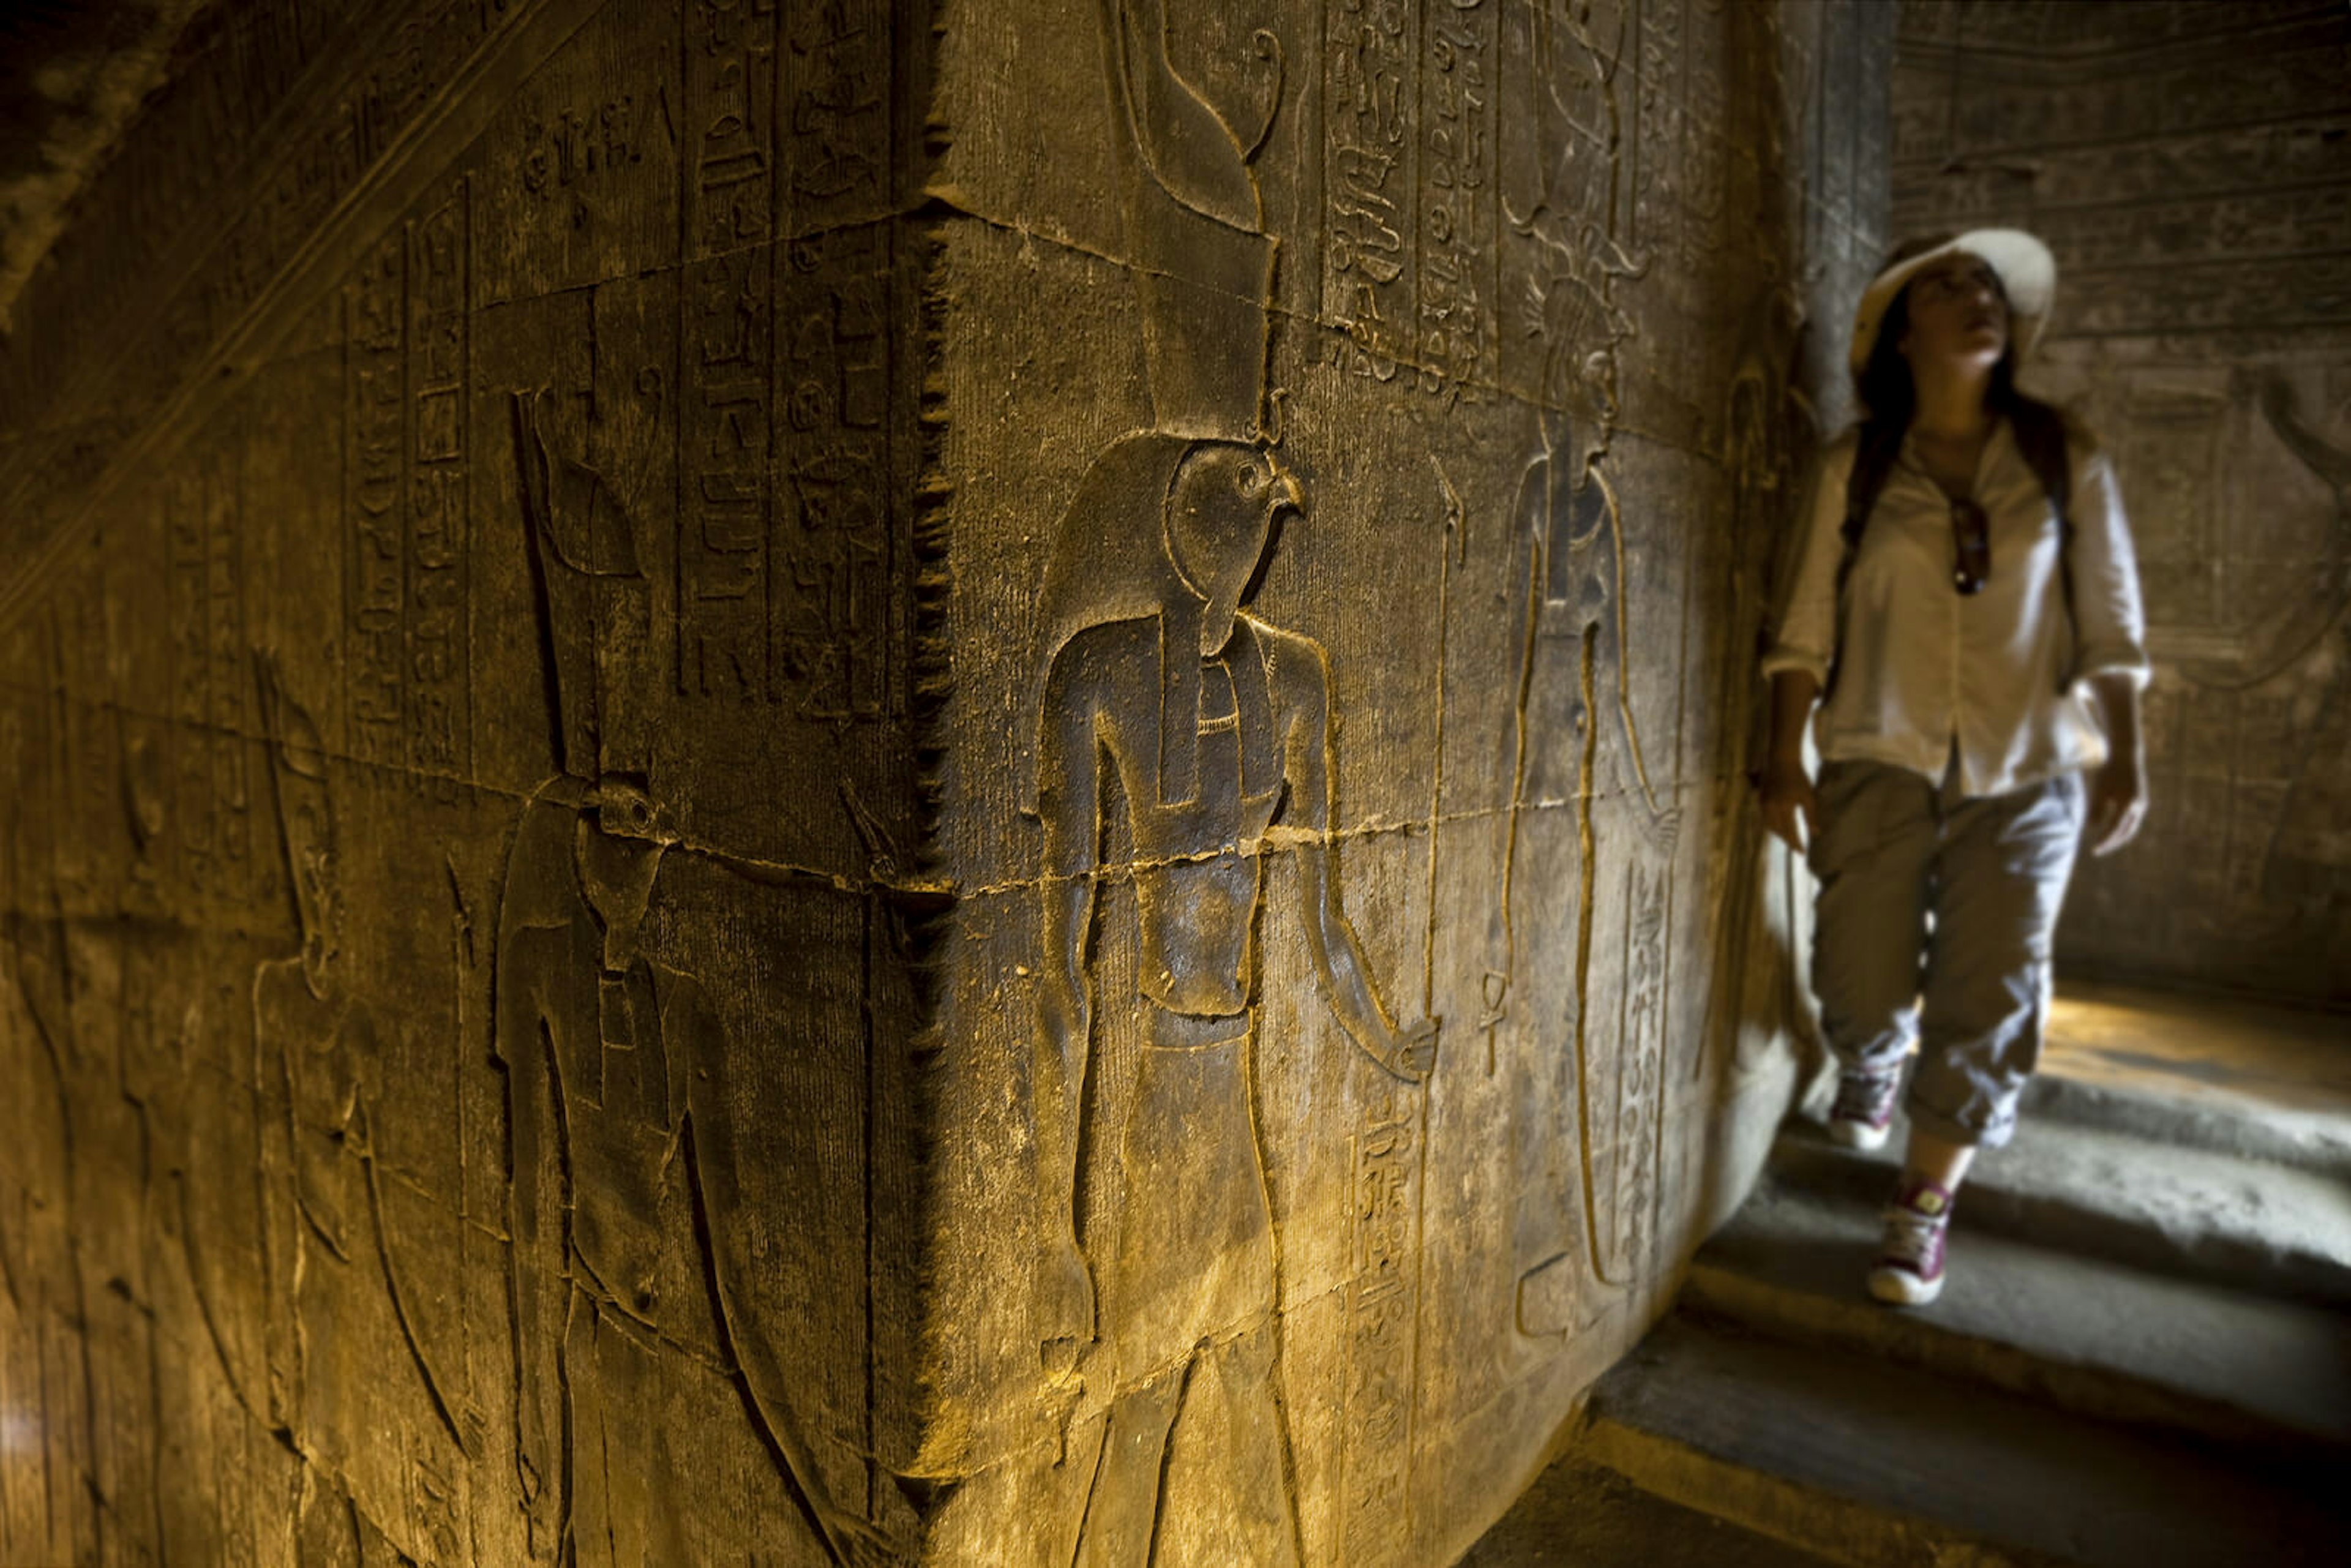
(1873, 464)
(1873, 453)
(2041, 441)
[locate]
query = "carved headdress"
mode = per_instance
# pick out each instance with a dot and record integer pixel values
(593, 605)
(1202, 263)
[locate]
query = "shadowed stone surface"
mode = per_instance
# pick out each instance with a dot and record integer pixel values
(1866, 1462)
(1577, 1513)
(2189, 1211)
(2081, 1332)
(854, 781)
(72, 75)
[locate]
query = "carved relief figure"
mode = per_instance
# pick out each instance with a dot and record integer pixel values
(1208, 730)
(312, 1027)
(618, 1070)
(1215, 726)
(1575, 744)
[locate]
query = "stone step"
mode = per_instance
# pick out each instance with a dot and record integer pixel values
(2312, 1141)
(2231, 1075)
(2248, 1224)
(2085, 1333)
(1578, 1512)
(1864, 1461)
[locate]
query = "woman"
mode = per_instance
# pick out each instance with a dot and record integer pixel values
(1965, 609)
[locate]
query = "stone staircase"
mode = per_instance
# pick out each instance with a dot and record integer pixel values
(2142, 1355)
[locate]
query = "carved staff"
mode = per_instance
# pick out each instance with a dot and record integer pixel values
(1453, 532)
(1446, 544)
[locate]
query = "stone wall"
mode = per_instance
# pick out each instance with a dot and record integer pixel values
(1494, 307)
(858, 778)
(457, 584)
(2191, 165)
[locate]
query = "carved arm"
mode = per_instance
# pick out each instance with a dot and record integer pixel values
(1339, 963)
(1069, 803)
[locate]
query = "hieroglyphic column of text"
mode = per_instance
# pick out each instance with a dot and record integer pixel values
(1382, 1306)
(1456, 318)
(439, 698)
(832, 626)
(211, 671)
(1368, 95)
(725, 433)
(1641, 1080)
(376, 408)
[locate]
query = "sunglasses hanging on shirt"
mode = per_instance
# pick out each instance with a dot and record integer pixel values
(1971, 546)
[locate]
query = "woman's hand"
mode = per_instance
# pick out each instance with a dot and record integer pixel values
(2118, 789)
(1791, 810)
(2117, 804)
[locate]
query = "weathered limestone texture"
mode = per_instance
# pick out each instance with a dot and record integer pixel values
(456, 590)
(1363, 425)
(863, 780)
(2191, 164)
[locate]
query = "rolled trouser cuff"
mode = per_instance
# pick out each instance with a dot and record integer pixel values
(1966, 1091)
(2002, 871)
(1976, 1125)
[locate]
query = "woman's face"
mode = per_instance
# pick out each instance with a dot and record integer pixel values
(1958, 314)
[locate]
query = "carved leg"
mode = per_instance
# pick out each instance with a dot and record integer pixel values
(1264, 1509)
(641, 1494)
(325, 1532)
(586, 1521)
(1122, 1510)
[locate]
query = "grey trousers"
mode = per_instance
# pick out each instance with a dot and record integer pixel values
(1934, 921)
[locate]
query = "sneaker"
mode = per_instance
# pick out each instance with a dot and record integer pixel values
(1909, 1268)
(1864, 1112)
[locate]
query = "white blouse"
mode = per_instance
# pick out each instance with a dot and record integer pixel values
(1926, 672)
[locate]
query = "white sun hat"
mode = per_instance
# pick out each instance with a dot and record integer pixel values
(2027, 272)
